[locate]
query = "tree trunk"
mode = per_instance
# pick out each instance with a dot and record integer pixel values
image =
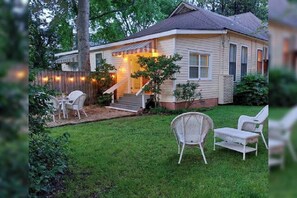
(82, 25)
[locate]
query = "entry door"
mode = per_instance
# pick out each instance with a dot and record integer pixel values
(135, 82)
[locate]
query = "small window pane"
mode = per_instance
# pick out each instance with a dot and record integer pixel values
(194, 57)
(204, 60)
(232, 53)
(259, 55)
(244, 54)
(204, 72)
(194, 72)
(98, 59)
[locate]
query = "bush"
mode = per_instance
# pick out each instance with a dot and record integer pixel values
(47, 155)
(252, 90)
(47, 163)
(187, 92)
(282, 88)
(104, 100)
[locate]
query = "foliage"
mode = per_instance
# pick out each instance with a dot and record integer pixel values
(13, 101)
(47, 155)
(282, 87)
(233, 7)
(148, 162)
(187, 92)
(104, 80)
(158, 70)
(48, 162)
(252, 90)
(104, 99)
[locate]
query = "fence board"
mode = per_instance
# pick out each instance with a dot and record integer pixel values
(68, 81)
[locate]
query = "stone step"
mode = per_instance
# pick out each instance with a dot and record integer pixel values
(125, 106)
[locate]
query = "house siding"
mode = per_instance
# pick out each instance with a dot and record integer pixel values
(252, 44)
(210, 44)
(166, 46)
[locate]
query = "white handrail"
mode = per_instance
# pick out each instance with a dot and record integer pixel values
(116, 86)
(142, 88)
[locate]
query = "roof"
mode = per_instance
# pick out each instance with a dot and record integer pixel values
(283, 12)
(200, 19)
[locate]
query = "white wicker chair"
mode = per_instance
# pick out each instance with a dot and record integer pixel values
(191, 129)
(281, 130)
(254, 124)
(56, 106)
(74, 94)
(77, 105)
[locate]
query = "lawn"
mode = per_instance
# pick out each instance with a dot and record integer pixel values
(283, 182)
(137, 157)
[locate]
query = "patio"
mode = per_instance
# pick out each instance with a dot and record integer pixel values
(95, 113)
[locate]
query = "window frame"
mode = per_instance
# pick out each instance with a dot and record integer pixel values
(235, 76)
(97, 66)
(209, 54)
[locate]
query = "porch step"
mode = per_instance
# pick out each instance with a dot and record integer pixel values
(129, 102)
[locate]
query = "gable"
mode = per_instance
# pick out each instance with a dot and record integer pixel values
(183, 8)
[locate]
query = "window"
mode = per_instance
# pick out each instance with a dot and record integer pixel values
(286, 50)
(265, 58)
(199, 66)
(98, 59)
(259, 61)
(232, 61)
(244, 57)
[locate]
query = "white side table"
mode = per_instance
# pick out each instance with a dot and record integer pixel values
(236, 140)
(63, 107)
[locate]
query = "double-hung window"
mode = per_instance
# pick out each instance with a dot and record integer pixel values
(98, 59)
(244, 57)
(259, 61)
(232, 60)
(199, 67)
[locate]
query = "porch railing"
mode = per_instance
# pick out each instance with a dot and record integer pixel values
(115, 87)
(141, 91)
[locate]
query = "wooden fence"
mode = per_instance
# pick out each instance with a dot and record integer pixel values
(67, 81)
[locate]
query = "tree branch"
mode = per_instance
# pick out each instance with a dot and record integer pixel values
(112, 11)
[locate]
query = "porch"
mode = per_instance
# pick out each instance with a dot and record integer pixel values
(128, 93)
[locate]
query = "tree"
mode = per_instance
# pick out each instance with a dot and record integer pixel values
(104, 80)
(158, 70)
(82, 26)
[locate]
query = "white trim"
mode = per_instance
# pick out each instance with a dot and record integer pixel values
(148, 37)
(233, 43)
(199, 65)
(251, 37)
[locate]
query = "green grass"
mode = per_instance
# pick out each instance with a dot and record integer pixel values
(283, 182)
(137, 157)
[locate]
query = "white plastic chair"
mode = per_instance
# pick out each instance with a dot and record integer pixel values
(56, 106)
(254, 124)
(191, 129)
(74, 94)
(77, 105)
(281, 130)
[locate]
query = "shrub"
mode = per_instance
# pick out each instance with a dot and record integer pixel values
(47, 163)
(251, 90)
(47, 155)
(104, 100)
(187, 92)
(282, 88)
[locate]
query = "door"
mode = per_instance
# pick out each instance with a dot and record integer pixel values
(136, 83)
